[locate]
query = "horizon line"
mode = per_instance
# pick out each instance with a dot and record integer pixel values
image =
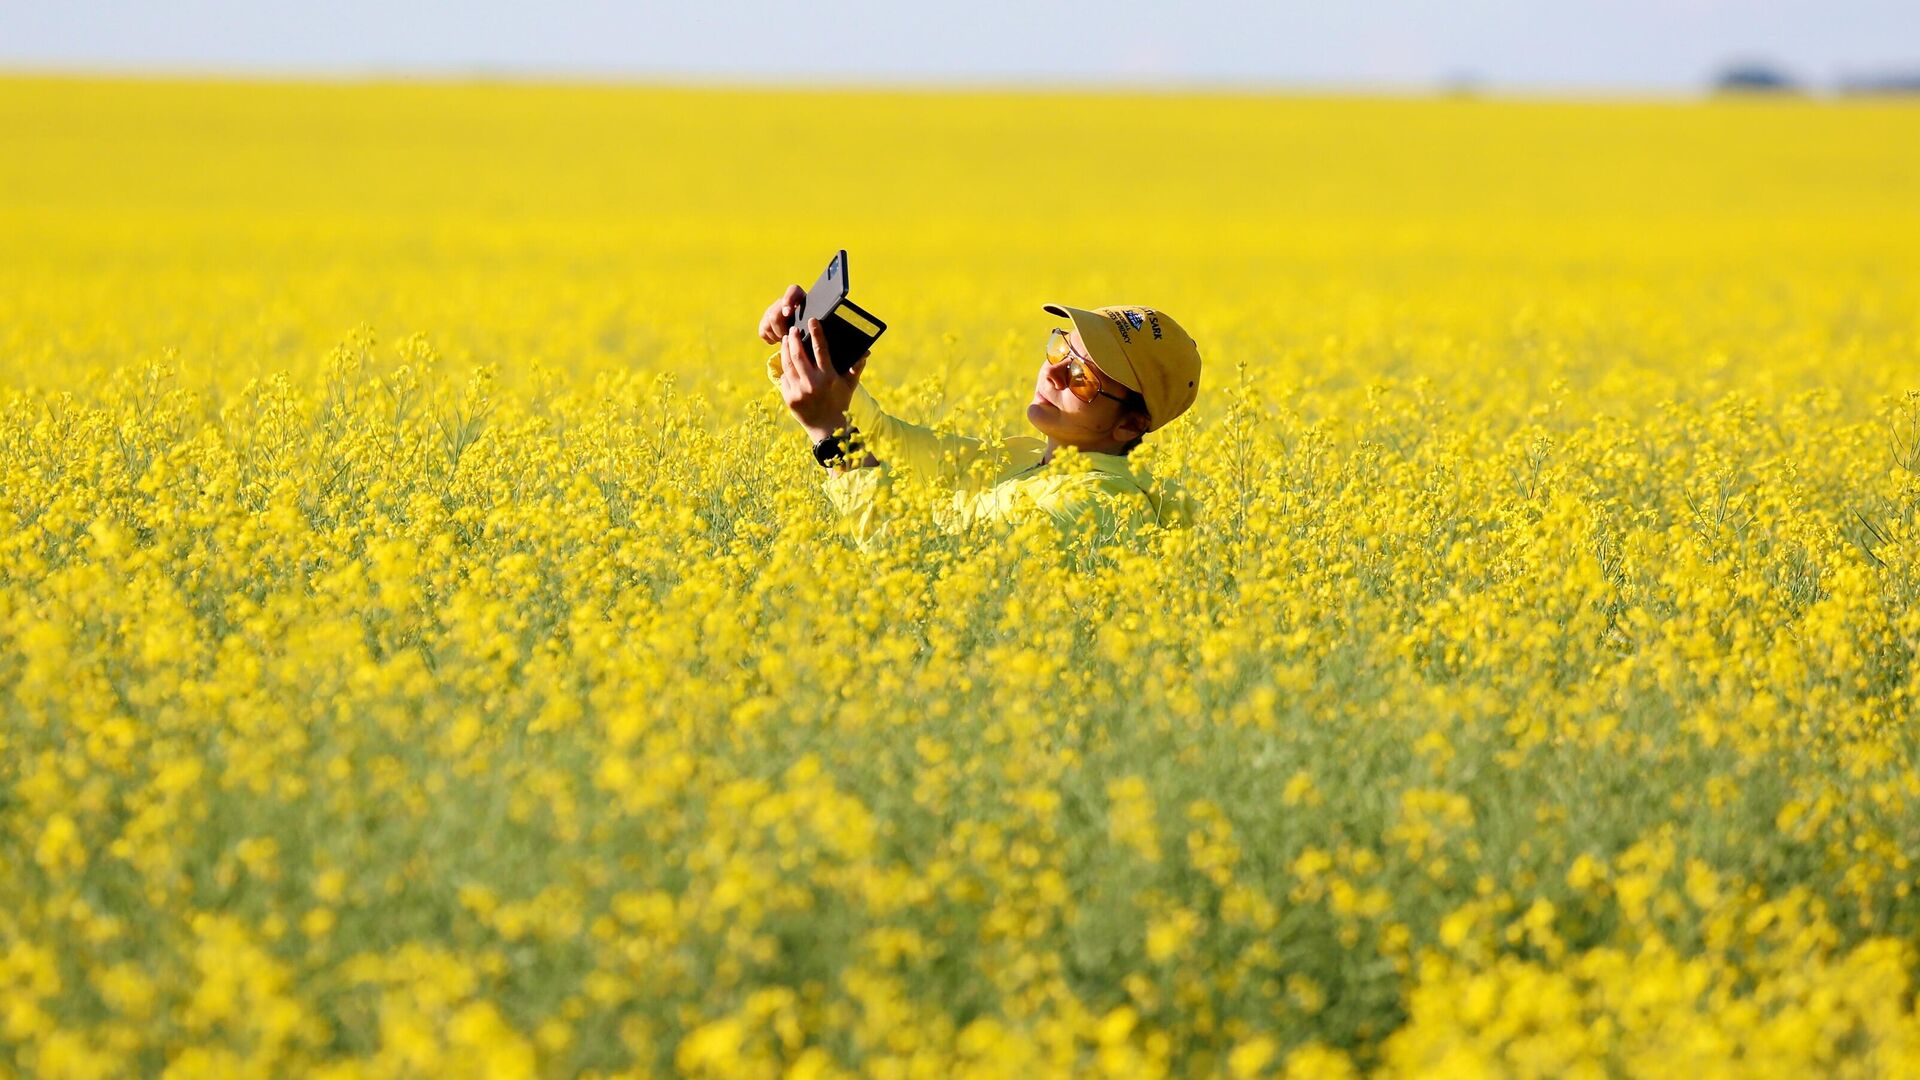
(1464, 87)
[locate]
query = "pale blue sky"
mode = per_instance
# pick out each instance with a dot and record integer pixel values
(1521, 45)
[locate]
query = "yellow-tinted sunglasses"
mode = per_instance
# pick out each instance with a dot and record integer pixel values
(1083, 379)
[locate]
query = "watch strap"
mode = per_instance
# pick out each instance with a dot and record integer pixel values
(836, 449)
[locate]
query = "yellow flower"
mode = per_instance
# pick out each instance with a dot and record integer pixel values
(59, 850)
(1250, 1058)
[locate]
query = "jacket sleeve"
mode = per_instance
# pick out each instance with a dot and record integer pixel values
(855, 495)
(944, 456)
(935, 455)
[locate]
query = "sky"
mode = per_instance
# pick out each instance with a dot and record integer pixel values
(1657, 46)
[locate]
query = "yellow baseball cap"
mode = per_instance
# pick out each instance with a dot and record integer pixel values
(1141, 349)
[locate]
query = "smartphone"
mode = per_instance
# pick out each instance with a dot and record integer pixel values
(849, 328)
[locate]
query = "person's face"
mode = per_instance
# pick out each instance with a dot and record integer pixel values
(1058, 412)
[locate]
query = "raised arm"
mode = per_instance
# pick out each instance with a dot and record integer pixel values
(936, 454)
(823, 401)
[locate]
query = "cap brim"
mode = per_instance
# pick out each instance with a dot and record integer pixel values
(1103, 343)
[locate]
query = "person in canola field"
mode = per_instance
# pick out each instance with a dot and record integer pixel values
(1117, 374)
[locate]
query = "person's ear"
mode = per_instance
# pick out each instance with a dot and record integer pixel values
(1132, 425)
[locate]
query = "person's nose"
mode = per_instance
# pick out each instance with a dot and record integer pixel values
(1060, 374)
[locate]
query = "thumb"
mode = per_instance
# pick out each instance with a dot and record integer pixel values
(860, 365)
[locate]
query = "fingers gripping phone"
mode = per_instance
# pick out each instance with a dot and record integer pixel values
(850, 329)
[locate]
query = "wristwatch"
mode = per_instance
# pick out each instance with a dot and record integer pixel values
(838, 450)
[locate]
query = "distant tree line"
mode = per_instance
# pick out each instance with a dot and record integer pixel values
(1759, 76)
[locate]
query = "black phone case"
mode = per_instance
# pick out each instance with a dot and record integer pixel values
(849, 328)
(850, 332)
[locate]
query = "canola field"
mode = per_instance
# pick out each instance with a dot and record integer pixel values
(426, 650)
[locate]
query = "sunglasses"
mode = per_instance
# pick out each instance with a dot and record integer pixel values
(1083, 379)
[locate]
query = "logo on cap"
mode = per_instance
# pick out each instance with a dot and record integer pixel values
(1134, 318)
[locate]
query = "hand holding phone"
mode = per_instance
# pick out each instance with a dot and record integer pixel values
(817, 396)
(850, 330)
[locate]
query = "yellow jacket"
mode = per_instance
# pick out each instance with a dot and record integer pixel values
(1000, 484)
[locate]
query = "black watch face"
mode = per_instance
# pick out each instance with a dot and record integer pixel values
(831, 451)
